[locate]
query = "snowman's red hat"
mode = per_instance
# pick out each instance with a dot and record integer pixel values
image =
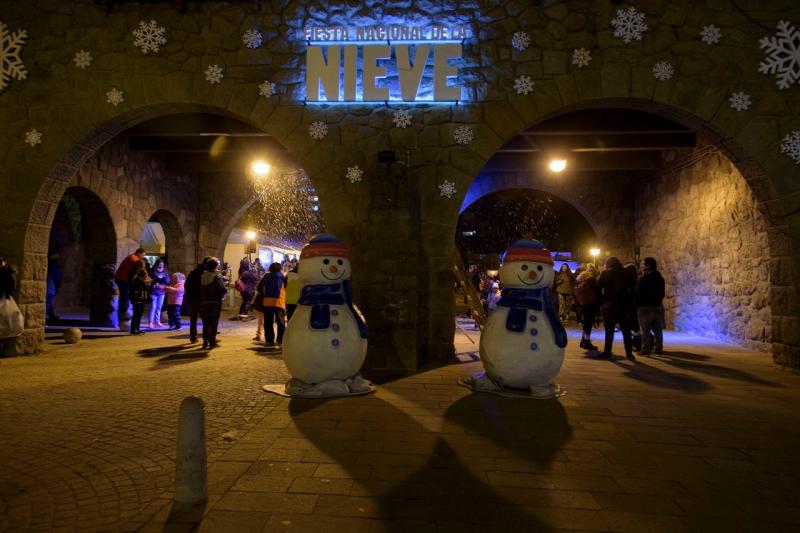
(324, 244)
(528, 250)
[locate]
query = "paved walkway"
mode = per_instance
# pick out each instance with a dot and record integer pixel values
(703, 438)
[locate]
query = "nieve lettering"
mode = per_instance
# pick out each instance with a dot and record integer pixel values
(320, 71)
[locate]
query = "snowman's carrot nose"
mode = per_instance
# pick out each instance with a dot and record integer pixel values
(532, 274)
(333, 268)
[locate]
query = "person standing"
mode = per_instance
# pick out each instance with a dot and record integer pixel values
(249, 279)
(54, 277)
(564, 286)
(193, 292)
(138, 282)
(160, 280)
(650, 307)
(616, 290)
(214, 291)
(273, 287)
(636, 337)
(122, 279)
(586, 299)
(293, 287)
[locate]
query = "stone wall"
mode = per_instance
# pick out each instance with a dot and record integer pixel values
(704, 227)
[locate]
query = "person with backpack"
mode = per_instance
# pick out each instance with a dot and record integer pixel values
(214, 291)
(650, 307)
(586, 298)
(616, 289)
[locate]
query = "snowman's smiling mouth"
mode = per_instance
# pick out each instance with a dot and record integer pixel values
(534, 282)
(321, 271)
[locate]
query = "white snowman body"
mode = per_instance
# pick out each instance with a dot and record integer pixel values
(522, 359)
(333, 353)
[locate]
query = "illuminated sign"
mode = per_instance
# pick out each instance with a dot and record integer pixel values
(375, 64)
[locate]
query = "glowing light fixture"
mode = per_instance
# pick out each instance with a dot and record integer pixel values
(260, 168)
(251, 234)
(558, 165)
(594, 252)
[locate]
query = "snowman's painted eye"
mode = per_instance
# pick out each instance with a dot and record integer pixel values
(524, 267)
(539, 268)
(340, 262)
(326, 261)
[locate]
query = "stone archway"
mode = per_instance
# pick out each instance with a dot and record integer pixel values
(179, 253)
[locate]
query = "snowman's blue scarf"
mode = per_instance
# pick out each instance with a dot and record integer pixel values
(520, 300)
(321, 297)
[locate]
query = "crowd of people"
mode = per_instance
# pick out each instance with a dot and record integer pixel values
(620, 297)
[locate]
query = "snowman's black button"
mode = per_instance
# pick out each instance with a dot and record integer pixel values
(335, 342)
(334, 312)
(335, 327)
(534, 346)
(534, 331)
(533, 318)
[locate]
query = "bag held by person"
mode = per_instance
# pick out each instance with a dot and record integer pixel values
(239, 285)
(11, 320)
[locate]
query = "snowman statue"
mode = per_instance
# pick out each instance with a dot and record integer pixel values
(326, 340)
(522, 345)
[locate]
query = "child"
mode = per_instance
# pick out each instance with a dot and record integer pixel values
(175, 300)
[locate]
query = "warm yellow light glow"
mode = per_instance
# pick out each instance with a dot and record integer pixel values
(250, 235)
(260, 168)
(557, 165)
(595, 252)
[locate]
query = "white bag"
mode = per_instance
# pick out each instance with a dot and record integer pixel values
(11, 320)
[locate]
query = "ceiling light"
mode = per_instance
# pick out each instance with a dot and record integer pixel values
(260, 168)
(558, 165)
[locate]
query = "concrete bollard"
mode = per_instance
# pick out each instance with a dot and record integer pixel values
(191, 474)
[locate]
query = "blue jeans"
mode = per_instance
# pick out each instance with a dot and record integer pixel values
(156, 303)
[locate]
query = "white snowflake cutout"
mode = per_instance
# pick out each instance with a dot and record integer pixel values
(82, 59)
(401, 118)
(33, 137)
(447, 189)
(629, 24)
(520, 40)
(663, 70)
(740, 101)
(318, 130)
(523, 85)
(114, 97)
(11, 65)
(252, 38)
(463, 134)
(354, 174)
(149, 37)
(783, 55)
(581, 57)
(266, 89)
(791, 146)
(214, 74)
(710, 34)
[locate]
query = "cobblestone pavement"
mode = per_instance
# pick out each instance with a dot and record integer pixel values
(703, 438)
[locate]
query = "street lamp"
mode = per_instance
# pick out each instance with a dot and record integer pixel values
(594, 252)
(260, 168)
(558, 165)
(251, 244)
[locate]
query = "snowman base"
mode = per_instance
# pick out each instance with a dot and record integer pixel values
(482, 383)
(332, 388)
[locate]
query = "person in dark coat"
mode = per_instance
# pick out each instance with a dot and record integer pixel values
(250, 280)
(649, 305)
(138, 282)
(213, 290)
(616, 292)
(104, 297)
(586, 296)
(273, 287)
(193, 295)
(636, 337)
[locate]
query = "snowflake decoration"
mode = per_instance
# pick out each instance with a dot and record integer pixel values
(214, 74)
(11, 65)
(629, 25)
(463, 134)
(266, 89)
(523, 84)
(783, 55)
(33, 137)
(447, 189)
(520, 40)
(710, 34)
(740, 101)
(82, 59)
(318, 130)
(581, 57)
(149, 36)
(663, 70)
(354, 174)
(401, 118)
(252, 38)
(791, 146)
(114, 97)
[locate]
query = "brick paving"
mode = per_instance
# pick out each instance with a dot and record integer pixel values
(703, 438)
